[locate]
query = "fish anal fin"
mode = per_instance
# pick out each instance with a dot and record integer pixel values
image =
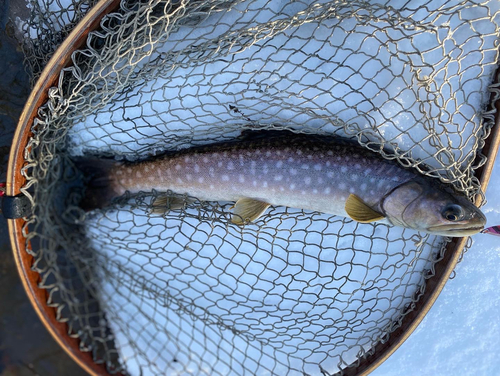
(248, 210)
(164, 203)
(360, 212)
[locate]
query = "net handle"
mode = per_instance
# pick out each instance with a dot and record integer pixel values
(442, 269)
(15, 181)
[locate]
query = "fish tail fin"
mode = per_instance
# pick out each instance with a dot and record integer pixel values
(99, 191)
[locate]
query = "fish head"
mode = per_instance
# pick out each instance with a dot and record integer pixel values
(432, 208)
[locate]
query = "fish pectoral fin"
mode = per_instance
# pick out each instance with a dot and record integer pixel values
(248, 210)
(164, 203)
(360, 212)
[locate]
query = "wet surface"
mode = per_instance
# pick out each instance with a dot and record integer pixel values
(26, 347)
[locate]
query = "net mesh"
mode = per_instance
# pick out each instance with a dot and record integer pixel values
(296, 292)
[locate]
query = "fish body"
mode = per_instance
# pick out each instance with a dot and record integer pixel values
(302, 171)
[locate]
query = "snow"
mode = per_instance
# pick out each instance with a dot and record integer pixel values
(180, 299)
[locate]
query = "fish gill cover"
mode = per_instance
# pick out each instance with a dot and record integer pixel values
(296, 292)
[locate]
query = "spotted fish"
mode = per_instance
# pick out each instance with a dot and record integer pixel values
(300, 171)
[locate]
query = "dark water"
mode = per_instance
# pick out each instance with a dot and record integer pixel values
(26, 348)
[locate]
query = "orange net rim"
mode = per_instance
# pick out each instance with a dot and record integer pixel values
(24, 261)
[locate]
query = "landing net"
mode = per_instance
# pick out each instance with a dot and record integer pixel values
(296, 292)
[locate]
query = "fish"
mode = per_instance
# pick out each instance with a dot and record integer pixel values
(282, 168)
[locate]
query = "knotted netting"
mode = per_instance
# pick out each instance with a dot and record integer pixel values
(296, 292)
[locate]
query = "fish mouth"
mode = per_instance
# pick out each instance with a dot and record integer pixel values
(454, 231)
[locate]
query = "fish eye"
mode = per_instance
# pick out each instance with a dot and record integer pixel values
(453, 213)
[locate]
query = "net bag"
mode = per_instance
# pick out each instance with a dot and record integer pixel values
(296, 292)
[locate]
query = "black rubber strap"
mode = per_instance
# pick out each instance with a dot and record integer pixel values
(16, 206)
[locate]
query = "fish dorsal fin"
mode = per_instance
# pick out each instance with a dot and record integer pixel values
(360, 212)
(164, 203)
(248, 210)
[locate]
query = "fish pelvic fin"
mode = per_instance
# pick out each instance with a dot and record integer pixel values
(97, 173)
(360, 212)
(164, 203)
(248, 210)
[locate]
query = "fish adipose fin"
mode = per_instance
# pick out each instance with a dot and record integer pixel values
(248, 210)
(164, 203)
(360, 212)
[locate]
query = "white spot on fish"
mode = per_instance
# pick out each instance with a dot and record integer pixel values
(315, 191)
(151, 178)
(278, 152)
(282, 189)
(328, 163)
(253, 164)
(305, 166)
(329, 174)
(146, 168)
(188, 176)
(178, 167)
(196, 168)
(205, 159)
(278, 177)
(292, 186)
(327, 190)
(309, 156)
(342, 186)
(363, 187)
(230, 165)
(219, 164)
(343, 170)
(352, 190)
(307, 180)
(372, 180)
(201, 180)
(268, 153)
(290, 159)
(358, 166)
(187, 158)
(241, 178)
(299, 152)
(211, 171)
(329, 152)
(264, 184)
(318, 167)
(254, 183)
(320, 180)
(138, 174)
(179, 180)
(119, 172)
(211, 186)
(303, 192)
(225, 177)
(279, 164)
(293, 171)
